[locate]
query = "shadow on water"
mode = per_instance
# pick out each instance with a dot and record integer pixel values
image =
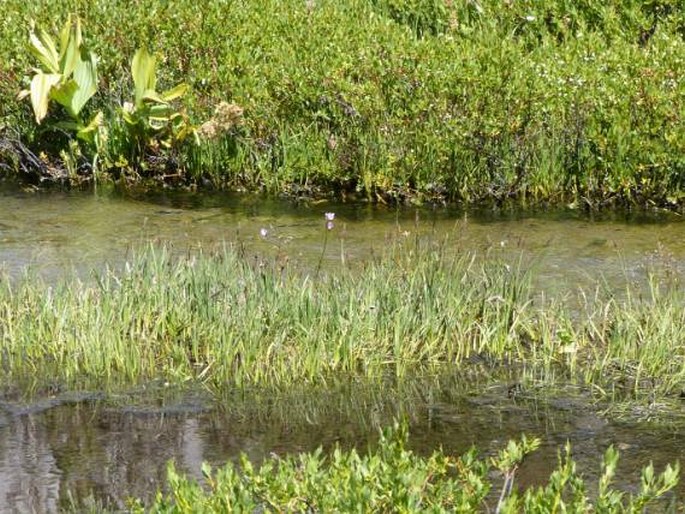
(81, 449)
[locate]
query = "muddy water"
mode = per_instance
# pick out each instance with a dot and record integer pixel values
(104, 449)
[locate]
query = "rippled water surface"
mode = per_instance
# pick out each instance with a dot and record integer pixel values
(92, 446)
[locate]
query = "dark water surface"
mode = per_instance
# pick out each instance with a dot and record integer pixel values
(105, 449)
(90, 452)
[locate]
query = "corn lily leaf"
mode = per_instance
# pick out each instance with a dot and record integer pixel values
(89, 132)
(158, 123)
(74, 93)
(84, 132)
(43, 48)
(70, 42)
(160, 111)
(41, 85)
(96, 122)
(63, 93)
(85, 76)
(143, 71)
(175, 92)
(153, 96)
(64, 38)
(129, 118)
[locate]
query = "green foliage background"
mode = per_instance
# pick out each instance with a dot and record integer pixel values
(460, 100)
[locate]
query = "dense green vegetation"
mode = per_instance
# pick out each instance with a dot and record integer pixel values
(388, 99)
(392, 478)
(486, 101)
(230, 320)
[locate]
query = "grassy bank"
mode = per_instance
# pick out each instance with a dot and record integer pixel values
(229, 320)
(387, 99)
(394, 479)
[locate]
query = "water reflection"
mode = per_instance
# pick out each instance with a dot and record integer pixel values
(98, 453)
(109, 450)
(61, 231)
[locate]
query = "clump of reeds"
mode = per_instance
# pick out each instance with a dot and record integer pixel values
(227, 320)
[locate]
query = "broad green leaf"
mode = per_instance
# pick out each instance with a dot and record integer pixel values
(186, 131)
(77, 32)
(129, 118)
(160, 111)
(88, 132)
(96, 122)
(175, 92)
(157, 123)
(74, 93)
(41, 84)
(152, 95)
(69, 52)
(63, 93)
(143, 71)
(64, 37)
(85, 76)
(43, 47)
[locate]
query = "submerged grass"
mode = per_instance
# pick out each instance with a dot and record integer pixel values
(389, 99)
(228, 320)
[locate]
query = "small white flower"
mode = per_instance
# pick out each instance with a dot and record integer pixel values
(330, 216)
(263, 232)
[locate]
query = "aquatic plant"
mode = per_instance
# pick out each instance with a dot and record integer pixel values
(227, 320)
(392, 478)
(328, 217)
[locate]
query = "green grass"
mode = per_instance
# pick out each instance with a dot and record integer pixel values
(392, 478)
(228, 320)
(484, 101)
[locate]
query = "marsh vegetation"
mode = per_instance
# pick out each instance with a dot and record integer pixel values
(382, 99)
(391, 101)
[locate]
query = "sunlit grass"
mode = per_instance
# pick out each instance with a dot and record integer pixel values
(227, 320)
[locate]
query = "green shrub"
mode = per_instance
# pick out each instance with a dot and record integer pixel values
(392, 478)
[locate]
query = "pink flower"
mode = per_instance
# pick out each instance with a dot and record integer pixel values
(330, 216)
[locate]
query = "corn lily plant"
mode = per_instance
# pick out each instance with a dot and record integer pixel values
(151, 119)
(68, 76)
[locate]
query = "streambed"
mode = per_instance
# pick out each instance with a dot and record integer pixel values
(93, 446)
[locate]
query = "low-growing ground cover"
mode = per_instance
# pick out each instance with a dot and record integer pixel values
(386, 99)
(392, 478)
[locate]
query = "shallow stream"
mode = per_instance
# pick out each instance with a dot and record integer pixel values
(93, 447)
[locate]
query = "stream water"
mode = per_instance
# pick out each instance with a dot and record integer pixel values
(89, 447)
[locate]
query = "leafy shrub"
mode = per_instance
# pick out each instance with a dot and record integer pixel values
(392, 478)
